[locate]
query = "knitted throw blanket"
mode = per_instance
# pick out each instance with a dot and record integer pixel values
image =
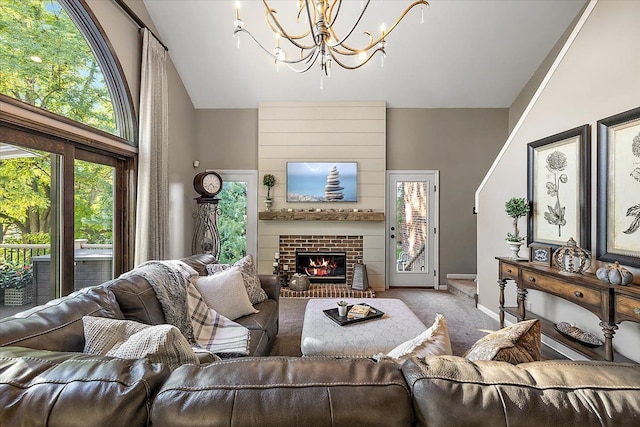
(169, 280)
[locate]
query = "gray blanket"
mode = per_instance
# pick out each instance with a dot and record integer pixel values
(169, 280)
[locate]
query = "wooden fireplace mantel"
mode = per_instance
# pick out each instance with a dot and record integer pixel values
(320, 216)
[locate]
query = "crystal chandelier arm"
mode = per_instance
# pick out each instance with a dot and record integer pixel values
(354, 67)
(285, 61)
(339, 41)
(386, 33)
(330, 17)
(311, 61)
(276, 27)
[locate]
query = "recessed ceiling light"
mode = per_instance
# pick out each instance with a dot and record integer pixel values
(36, 58)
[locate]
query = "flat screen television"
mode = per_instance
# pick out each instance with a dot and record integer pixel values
(322, 182)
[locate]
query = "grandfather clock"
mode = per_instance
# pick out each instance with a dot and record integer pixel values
(206, 238)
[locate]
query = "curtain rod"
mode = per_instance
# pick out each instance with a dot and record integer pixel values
(138, 21)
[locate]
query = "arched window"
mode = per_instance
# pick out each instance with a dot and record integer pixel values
(66, 177)
(53, 56)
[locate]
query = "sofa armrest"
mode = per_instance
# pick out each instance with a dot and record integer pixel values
(453, 391)
(39, 387)
(270, 285)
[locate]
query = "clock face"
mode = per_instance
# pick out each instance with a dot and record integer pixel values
(212, 184)
(207, 184)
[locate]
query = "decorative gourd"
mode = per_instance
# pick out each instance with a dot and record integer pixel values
(299, 282)
(614, 274)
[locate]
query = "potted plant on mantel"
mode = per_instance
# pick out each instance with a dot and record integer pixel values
(269, 181)
(516, 207)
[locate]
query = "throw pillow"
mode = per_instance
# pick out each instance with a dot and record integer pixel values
(127, 339)
(214, 332)
(249, 276)
(432, 342)
(225, 293)
(515, 344)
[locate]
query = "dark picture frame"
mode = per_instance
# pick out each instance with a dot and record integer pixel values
(618, 189)
(559, 188)
(540, 254)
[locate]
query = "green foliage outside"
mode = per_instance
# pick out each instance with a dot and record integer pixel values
(68, 80)
(93, 202)
(232, 222)
(28, 215)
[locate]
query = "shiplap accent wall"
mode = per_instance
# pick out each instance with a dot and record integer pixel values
(324, 131)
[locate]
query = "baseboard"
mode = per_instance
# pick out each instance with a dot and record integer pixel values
(488, 312)
(462, 276)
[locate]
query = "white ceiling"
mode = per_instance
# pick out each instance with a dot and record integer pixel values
(468, 53)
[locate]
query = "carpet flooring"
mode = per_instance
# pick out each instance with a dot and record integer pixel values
(465, 323)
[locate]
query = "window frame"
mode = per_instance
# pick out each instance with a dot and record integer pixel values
(29, 126)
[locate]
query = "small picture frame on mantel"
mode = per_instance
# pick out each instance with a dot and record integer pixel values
(540, 254)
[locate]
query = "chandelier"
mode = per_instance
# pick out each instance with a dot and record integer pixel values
(320, 42)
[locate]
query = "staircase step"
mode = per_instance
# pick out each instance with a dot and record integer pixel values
(465, 288)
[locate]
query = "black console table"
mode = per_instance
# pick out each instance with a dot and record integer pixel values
(611, 303)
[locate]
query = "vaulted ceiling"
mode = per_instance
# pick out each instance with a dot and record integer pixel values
(468, 53)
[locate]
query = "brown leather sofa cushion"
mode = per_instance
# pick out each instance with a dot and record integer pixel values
(199, 262)
(57, 326)
(137, 300)
(453, 391)
(281, 391)
(41, 388)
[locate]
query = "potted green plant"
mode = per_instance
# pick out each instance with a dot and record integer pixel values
(16, 280)
(516, 207)
(268, 180)
(342, 308)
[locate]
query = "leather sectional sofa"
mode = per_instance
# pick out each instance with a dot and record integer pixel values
(46, 380)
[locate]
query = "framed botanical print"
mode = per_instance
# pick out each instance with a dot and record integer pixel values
(618, 204)
(558, 186)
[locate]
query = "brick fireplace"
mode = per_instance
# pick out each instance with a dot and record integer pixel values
(290, 244)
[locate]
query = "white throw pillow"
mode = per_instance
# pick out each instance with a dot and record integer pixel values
(225, 293)
(128, 339)
(432, 342)
(249, 276)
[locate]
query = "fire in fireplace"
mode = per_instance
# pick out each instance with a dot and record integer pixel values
(325, 267)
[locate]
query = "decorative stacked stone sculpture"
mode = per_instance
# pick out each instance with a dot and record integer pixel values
(333, 191)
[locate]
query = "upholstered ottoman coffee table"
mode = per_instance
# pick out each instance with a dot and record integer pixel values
(321, 336)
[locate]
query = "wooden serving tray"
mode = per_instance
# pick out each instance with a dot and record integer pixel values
(332, 314)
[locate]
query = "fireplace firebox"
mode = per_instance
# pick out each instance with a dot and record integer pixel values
(322, 267)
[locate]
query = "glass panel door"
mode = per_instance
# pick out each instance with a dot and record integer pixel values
(93, 223)
(29, 227)
(412, 229)
(237, 217)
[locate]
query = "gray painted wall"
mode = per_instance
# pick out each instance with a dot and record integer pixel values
(461, 143)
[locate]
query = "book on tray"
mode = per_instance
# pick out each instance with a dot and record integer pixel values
(358, 311)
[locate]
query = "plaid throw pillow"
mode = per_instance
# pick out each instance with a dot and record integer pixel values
(213, 331)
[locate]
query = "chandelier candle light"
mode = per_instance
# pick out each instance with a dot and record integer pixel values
(320, 41)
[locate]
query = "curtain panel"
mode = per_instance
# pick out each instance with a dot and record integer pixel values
(152, 208)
